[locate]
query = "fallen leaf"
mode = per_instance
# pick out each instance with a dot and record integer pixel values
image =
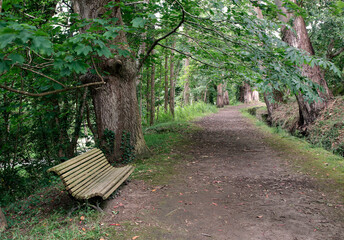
(259, 216)
(153, 190)
(102, 239)
(215, 204)
(83, 229)
(135, 237)
(114, 224)
(82, 218)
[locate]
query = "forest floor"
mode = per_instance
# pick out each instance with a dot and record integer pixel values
(230, 184)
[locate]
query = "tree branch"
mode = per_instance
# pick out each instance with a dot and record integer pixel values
(50, 92)
(43, 75)
(188, 55)
(159, 39)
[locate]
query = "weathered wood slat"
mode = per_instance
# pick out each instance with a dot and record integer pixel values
(90, 174)
(86, 185)
(106, 183)
(77, 180)
(97, 182)
(72, 160)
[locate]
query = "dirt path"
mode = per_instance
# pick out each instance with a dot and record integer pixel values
(235, 187)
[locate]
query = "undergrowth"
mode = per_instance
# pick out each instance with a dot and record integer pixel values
(44, 214)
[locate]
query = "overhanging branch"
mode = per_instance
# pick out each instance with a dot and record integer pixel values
(188, 55)
(159, 39)
(50, 92)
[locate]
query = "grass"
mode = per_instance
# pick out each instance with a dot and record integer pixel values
(44, 215)
(317, 162)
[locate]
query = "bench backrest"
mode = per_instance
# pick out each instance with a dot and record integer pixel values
(81, 171)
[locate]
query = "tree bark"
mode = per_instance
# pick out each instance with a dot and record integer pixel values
(187, 84)
(308, 111)
(166, 84)
(205, 95)
(219, 100)
(255, 96)
(247, 93)
(172, 80)
(3, 222)
(226, 98)
(152, 101)
(115, 103)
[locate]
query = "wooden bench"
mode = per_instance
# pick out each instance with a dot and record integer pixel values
(90, 174)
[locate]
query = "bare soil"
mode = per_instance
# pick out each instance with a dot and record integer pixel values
(234, 187)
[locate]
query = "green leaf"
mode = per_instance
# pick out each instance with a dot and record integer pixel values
(42, 45)
(16, 58)
(82, 49)
(6, 39)
(138, 22)
(4, 66)
(123, 52)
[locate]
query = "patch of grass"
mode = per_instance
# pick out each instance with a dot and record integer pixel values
(317, 162)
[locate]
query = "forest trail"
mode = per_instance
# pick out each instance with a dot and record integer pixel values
(235, 187)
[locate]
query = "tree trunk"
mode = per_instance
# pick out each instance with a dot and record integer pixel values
(205, 95)
(247, 93)
(187, 84)
(219, 100)
(172, 81)
(255, 96)
(115, 103)
(166, 84)
(152, 101)
(3, 222)
(148, 95)
(226, 98)
(308, 111)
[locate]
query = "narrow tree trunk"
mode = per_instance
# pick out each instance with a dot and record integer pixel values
(255, 96)
(226, 98)
(219, 100)
(247, 93)
(308, 111)
(166, 84)
(205, 95)
(115, 103)
(148, 95)
(3, 222)
(187, 84)
(172, 80)
(152, 101)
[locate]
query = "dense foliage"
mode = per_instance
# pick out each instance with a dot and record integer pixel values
(46, 49)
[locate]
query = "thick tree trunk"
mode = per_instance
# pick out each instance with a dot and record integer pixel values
(115, 103)
(308, 111)
(152, 101)
(172, 81)
(3, 222)
(166, 84)
(219, 100)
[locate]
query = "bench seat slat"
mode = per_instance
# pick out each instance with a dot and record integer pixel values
(92, 178)
(107, 184)
(98, 181)
(96, 170)
(90, 174)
